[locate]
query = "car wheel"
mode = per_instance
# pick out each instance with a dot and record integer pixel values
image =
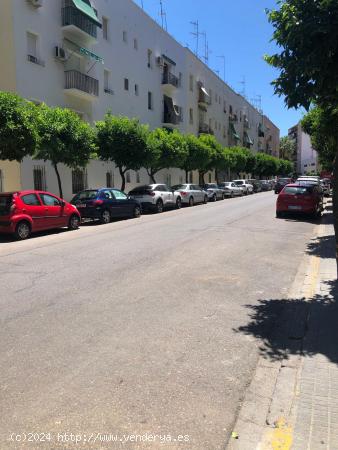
(137, 212)
(178, 203)
(232, 194)
(279, 214)
(159, 206)
(105, 216)
(22, 230)
(205, 199)
(74, 222)
(214, 198)
(223, 196)
(191, 201)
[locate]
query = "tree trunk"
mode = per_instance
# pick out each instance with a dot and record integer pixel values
(187, 176)
(151, 174)
(123, 173)
(201, 178)
(216, 176)
(335, 205)
(58, 178)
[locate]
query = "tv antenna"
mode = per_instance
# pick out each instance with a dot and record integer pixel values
(163, 15)
(206, 48)
(196, 33)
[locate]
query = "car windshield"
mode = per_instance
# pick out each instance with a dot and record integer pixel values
(86, 195)
(5, 204)
(284, 180)
(239, 183)
(211, 185)
(226, 184)
(146, 187)
(295, 190)
(179, 187)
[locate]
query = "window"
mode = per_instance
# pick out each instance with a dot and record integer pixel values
(1, 181)
(149, 55)
(230, 110)
(191, 116)
(216, 97)
(136, 90)
(210, 95)
(138, 177)
(128, 177)
(191, 83)
(109, 179)
(135, 44)
(107, 82)
(106, 194)
(150, 100)
(119, 195)
(32, 49)
(39, 178)
(105, 28)
(124, 36)
(49, 200)
(126, 84)
(224, 106)
(79, 180)
(31, 200)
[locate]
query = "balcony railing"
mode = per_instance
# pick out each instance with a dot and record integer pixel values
(82, 82)
(205, 129)
(170, 78)
(72, 16)
(171, 117)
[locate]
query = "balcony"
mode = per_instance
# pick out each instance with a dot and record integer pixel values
(81, 85)
(78, 25)
(205, 129)
(204, 99)
(170, 81)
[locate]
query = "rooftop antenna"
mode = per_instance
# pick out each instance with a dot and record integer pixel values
(197, 34)
(243, 83)
(206, 48)
(223, 58)
(257, 103)
(163, 15)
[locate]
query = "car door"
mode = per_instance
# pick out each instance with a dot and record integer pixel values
(109, 202)
(123, 206)
(168, 195)
(53, 210)
(32, 206)
(198, 195)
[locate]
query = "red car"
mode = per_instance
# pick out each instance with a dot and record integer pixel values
(300, 198)
(24, 212)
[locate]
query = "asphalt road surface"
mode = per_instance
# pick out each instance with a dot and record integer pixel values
(129, 331)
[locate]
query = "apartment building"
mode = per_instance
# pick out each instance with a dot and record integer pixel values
(105, 55)
(306, 157)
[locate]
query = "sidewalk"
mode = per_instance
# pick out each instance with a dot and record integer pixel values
(292, 402)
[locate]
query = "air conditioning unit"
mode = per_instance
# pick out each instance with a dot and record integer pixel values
(36, 3)
(160, 61)
(60, 53)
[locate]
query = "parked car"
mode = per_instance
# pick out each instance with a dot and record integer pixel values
(231, 189)
(104, 204)
(300, 198)
(257, 185)
(191, 193)
(156, 197)
(214, 192)
(25, 212)
(245, 185)
(281, 182)
(266, 185)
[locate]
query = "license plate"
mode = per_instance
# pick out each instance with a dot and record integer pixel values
(81, 205)
(295, 208)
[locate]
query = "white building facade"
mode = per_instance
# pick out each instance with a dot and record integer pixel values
(94, 57)
(306, 157)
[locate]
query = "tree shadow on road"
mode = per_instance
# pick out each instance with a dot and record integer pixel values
(294, 326)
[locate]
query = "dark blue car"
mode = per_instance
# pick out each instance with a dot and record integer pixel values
(105, 203)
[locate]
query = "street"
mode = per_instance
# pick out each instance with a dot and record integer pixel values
(132, 328)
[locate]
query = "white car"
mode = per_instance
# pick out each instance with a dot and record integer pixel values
(191, 194)
(156, 197)
(231, 189)
(247, 187)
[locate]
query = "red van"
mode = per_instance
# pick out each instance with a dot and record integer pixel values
(24, 212)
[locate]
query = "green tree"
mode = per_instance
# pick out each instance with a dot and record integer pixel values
(306, 31)
(284, 167)
(18, 127)
(123, 141)
(216, 156)
(64, 139)
(266, 165)
(167, 149)
(239, 159)
(288, 148)
(198, 156)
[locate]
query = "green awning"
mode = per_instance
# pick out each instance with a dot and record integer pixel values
(234, 132)
(86, 9)
(248, 139)
(91, 55)
(261, 130)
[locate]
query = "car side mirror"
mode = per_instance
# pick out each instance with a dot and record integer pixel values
(63, 204)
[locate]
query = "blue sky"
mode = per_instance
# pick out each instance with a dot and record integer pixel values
(239, 30)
